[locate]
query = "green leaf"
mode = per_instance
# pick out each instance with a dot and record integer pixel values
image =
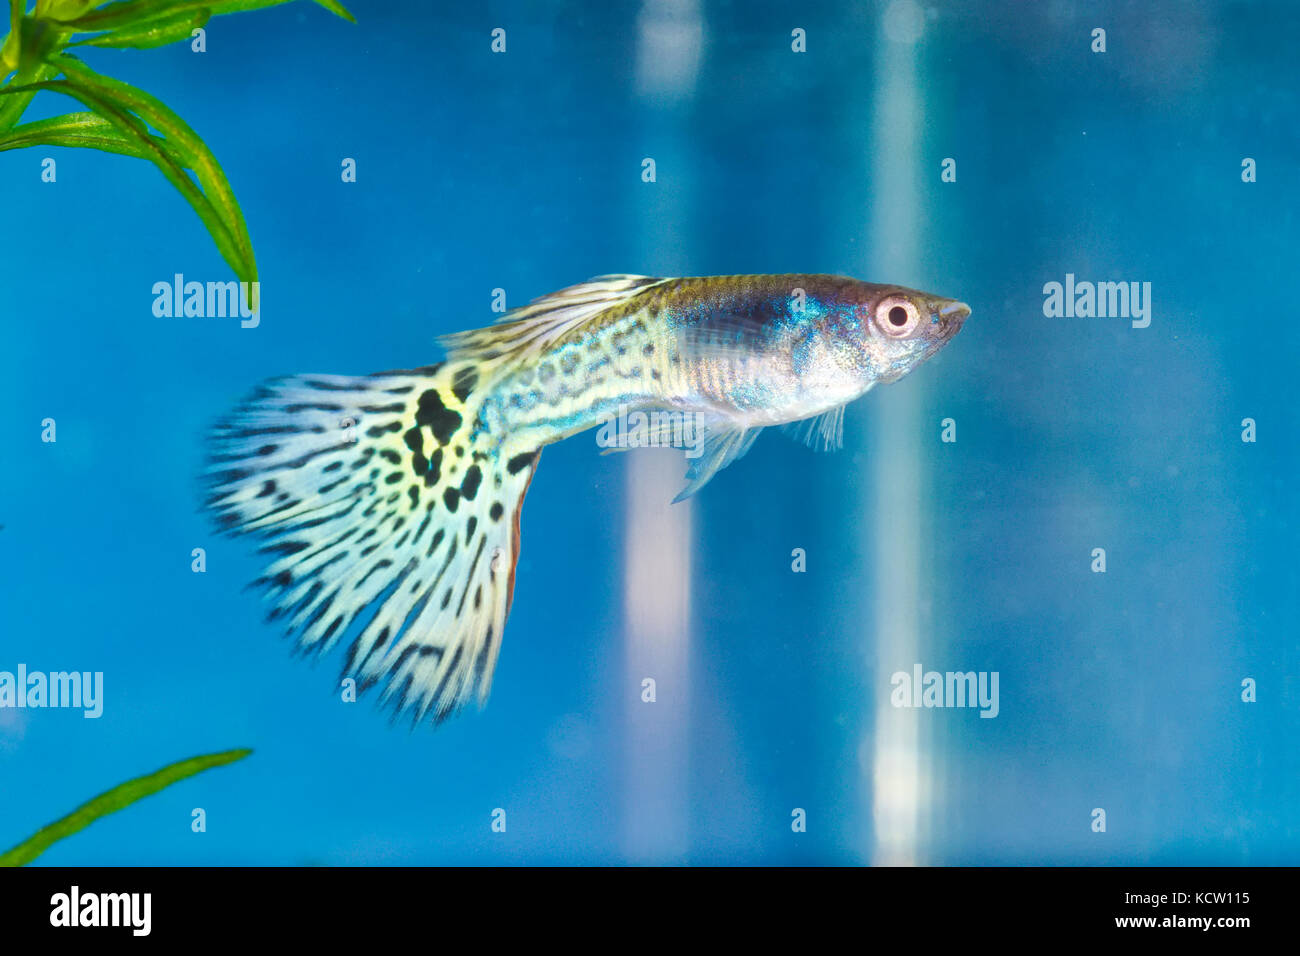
(208, 171)
(32, 54)
(64, 9)
(131, 12)
(11, 52)
(129, 109)
(152, 33)
(40, 40)
(171, 158)
(336, 8)
(89, 130)
(12, 107)
(120, 796)
(24, 51)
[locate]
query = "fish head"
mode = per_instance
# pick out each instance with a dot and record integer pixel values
(899, 328)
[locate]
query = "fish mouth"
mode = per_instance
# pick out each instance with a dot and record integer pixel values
(950, 319)
(955, 311)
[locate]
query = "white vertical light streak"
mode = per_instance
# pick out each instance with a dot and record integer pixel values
(893, 761)
(657, 606)
(657, 553)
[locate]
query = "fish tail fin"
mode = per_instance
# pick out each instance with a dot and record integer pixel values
(389, 516)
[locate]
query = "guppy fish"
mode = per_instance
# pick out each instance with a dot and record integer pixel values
(389, 504)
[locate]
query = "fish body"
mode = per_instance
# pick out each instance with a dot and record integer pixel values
(389, 504)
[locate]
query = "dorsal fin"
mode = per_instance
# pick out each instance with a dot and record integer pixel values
(543, 322)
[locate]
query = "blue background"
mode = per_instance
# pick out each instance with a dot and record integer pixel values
(523, 171)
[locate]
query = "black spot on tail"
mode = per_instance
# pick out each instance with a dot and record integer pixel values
(520, 462)
(469, 487)
(464, 383)
(433, 545)
(442, 421)
(434, 472)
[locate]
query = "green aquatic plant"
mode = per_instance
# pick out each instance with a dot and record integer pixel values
(120, 796)
(120, 118)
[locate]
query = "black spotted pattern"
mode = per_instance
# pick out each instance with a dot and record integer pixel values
(464, 383)
(434, 473)
(469, 486)
(440, 419)
(520, 462)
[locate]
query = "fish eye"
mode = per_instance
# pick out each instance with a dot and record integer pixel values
(897, 316)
